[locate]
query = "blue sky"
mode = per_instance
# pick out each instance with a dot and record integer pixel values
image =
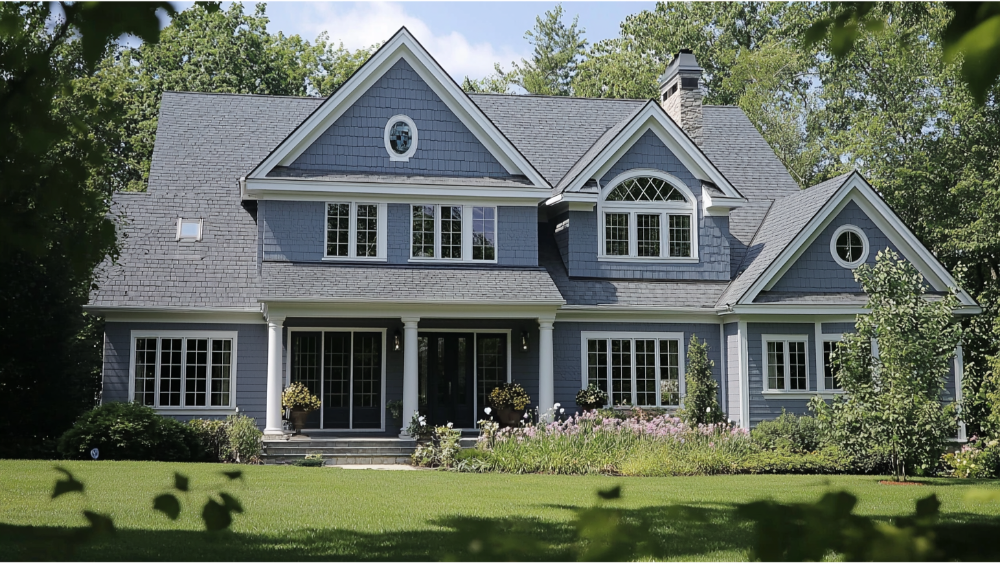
(465, 37)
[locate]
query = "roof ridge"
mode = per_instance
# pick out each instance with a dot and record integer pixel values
(589, 98)
(189, 92)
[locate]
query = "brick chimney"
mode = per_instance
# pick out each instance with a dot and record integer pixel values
(681, 95)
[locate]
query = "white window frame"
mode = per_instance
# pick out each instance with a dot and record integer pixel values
(352, 237)
(185, 334)
(393, 155)
(821, 359)
(865, 246)
(201, 229)
(634, 208)
(633, 336)
(322, 358)
(785, 338)
(466, 234)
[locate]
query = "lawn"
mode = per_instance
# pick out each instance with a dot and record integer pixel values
(297, 513)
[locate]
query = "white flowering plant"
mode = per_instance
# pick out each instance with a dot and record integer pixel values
(419, 429)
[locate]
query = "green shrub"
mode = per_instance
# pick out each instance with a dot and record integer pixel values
(442, 451)
(800, 434)
(213, 437)
(246, 441)
(828, 460)
(130, 431)
(311, 460)
(979, 459)
(467, 454)
(701, 403)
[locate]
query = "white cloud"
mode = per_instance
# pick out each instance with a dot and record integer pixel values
(363, 24)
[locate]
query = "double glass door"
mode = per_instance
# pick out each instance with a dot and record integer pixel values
(344, 369)
(456, 372)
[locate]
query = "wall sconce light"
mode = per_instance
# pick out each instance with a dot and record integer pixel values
(524, 341)
(395, 342)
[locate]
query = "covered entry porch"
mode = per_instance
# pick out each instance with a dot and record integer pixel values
(440, 360)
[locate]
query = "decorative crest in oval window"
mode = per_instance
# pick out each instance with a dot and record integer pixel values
(645, 188)
(400, 137)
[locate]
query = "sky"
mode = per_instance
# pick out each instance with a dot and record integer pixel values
(467, 38)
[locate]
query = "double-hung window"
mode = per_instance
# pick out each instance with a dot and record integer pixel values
(642, 369)
(184, 370)
(831, 362)
(786, 363)
(355, 231)
(453, 233)
(647, 218)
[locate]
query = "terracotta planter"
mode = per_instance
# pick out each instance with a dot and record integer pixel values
(299, 419)
(508, 417)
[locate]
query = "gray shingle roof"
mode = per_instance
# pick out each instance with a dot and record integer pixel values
(811, 298)
(784, 221)
(285, 280)
(206, 142)
(554, 132)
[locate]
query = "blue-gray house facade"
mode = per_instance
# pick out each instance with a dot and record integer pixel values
(405, 241)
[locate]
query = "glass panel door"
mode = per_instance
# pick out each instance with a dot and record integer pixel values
(337, 380)
(444, 372)
(305, 367)
(491, 368)
(366, 380)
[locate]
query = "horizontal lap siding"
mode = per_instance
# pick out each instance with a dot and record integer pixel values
(567, 350)
(763, 407)
(251, 362)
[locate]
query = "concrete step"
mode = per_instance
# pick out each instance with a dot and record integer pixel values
(280, 450)
(342, 459)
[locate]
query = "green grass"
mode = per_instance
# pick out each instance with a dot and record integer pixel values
(302, 513)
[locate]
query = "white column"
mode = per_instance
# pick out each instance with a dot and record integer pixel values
(959, 375)
(546, 391)
(410, 383)
(274, 385)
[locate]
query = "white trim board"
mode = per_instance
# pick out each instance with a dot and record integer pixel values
(857, 189)
(304, 189)
(586, 335)
(653, 117)
(404, 46)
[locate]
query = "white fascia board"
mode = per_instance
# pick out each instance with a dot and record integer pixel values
(572, 202)
(235, 315)
(384, 308)
(653, 117)
(402, 45)
(320, 190)
(719, 206)
(599, 314)
(856, 189)
(778, 309)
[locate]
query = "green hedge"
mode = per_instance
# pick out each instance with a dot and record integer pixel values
(129, 431)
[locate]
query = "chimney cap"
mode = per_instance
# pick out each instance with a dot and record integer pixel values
(685, 61)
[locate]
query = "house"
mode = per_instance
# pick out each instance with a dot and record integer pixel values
(403, 240)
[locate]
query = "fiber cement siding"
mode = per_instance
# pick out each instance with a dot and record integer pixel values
(767, 407)
(355, 142)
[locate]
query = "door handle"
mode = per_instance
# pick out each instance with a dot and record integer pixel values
(449, 388)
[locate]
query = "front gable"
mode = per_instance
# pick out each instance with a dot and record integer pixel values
(650, 152)
(343, 141)
(355, 141)
(802, 266)
(816, 270)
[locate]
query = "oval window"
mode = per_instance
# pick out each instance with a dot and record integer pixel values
(400, 137)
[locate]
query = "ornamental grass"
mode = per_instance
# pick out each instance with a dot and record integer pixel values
(592, 443)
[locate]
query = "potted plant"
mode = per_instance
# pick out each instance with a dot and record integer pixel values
(297, 399)
(509, 401)
(419, 430)
(591, 398)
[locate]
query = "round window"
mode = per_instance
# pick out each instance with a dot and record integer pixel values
(400, 138)
(849, 246)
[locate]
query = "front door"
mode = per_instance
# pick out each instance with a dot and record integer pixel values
(446, 379)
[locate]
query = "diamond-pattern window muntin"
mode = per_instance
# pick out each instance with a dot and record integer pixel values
(645, 188)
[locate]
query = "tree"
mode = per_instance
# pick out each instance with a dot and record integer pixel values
(205, 50)
(558, 49)
(892, 371)
(53, 224)
(701, 399)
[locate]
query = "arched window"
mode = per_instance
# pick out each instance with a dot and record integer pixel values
(648, 215)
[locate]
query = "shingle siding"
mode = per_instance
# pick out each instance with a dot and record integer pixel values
(817, 271)
(251, 362)
(567, 350)
(648, 151)
(293, 230)
(355, 142)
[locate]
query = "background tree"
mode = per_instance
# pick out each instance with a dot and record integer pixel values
(53, 225)
(893, 406)
(558, 49)
(701, 399)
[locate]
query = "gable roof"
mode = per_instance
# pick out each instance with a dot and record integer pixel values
(793, 222)
(404, 46)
